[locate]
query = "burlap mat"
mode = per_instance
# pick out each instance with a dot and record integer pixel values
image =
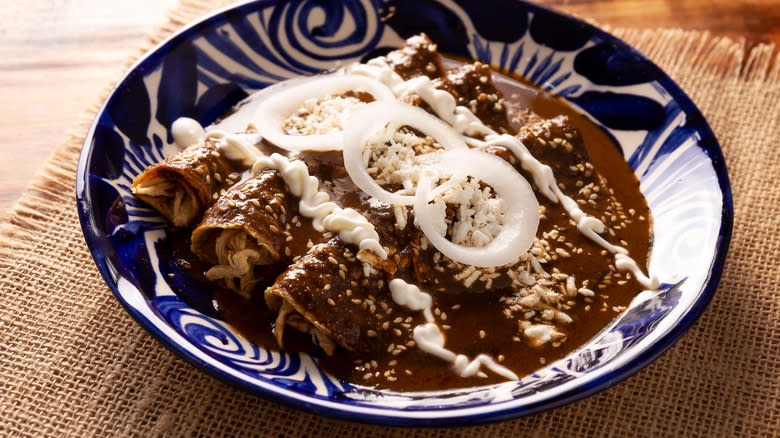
(72, 362)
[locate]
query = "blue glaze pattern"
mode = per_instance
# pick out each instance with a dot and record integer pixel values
(208, 67)
(603, 65)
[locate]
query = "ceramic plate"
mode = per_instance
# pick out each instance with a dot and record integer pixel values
(215, 62)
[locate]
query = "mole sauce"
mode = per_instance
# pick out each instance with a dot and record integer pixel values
(473, 324)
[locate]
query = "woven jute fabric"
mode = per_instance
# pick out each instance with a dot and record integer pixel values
(73, 363)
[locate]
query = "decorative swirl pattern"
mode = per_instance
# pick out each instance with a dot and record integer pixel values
(224, 344)
(208, 68)
(310, 32)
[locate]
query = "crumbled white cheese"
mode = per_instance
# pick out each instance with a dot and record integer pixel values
(540, 334)
(320, 116)
(391, 155)
(479, 214)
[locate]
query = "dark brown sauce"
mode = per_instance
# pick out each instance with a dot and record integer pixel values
(252, 317)
(481, 311)
(604, 153)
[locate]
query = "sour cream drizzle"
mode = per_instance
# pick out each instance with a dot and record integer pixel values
(187, 132)
(465, 122)
(430, 339)
(351, 226)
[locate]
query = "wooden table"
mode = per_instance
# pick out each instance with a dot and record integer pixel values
(56, 56)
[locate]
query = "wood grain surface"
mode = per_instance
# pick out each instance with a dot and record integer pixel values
(56, 56)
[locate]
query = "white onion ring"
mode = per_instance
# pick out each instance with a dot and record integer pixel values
(374, 116)
(272, 112)
(521, 215)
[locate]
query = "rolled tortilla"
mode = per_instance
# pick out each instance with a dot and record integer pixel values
(252, 224)
(181, 187)
(332, 295)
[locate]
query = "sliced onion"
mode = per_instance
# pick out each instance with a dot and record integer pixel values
(521, 215)
(369, 119)
(272, 112)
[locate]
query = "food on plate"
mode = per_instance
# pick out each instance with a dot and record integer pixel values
(244, 229)
(415, 222)
(182, 186)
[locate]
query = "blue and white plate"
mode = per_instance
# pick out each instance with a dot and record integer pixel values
(204, 69)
